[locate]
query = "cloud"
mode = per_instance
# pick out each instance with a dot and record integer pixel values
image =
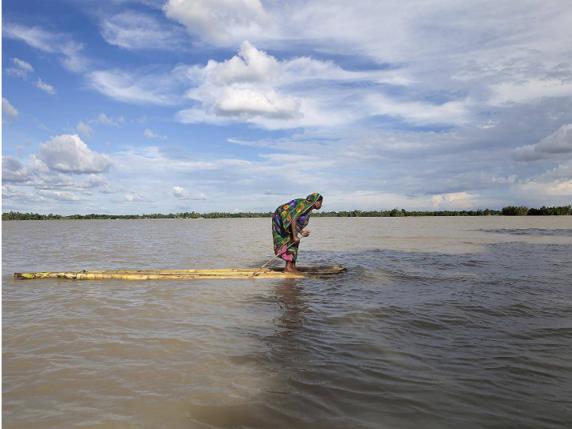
(13, 170)
(418, 112)
(9, 112)
(23, 65)
(182, 194)
(95, 181)
(395, 168)
(46, 87)
(136, 31)
(368, 199)
(530, 90)
(36, 174)
(553, 185)
(69, 154)
(556, 188)
(257, 88)
(206, 176)
(240, 88)
(151, 160)
(32, 186)
(554, 145)
(134, 88)
(248, 103)
(52, 175)
(21, 68)
(467, 60)
(33, 36)
(249, 65)
(151, 135)
(558, 142)
(16, 194)
(69, 51)
(134, 198)
(103, 119)
(365, 28)
(59, 195)
(221, 22)
(453, 200)
(84, 129)
(252, 65)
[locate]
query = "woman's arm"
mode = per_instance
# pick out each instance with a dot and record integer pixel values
(293, 232)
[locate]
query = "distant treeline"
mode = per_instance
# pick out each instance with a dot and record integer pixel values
(505, 211)
(542, 211)
(185, 215)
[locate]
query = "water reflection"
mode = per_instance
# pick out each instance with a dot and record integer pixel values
(290, 297)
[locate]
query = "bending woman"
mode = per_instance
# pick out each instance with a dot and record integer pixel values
(287, 221)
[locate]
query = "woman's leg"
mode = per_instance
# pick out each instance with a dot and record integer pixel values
(291, 260)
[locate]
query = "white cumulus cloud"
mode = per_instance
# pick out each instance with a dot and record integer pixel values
(249, 65)
(182, 194)
(248, 102)
(220, 21)
(257, 88)
(69, 154)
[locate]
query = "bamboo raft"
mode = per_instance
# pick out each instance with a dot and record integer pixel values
(221, 273)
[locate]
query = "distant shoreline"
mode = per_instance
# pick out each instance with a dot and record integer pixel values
(505, 211)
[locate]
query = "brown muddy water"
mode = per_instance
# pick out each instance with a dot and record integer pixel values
(439, 323)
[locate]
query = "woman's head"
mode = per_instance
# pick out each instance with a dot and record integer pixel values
(315, 198)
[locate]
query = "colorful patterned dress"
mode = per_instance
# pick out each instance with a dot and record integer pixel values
(297, 210)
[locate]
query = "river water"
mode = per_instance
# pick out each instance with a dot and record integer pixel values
(439, 323)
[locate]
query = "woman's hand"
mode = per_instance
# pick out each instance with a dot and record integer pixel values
(305, 232)
(296, 239)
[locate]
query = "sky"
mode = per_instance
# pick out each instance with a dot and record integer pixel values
(144, 106)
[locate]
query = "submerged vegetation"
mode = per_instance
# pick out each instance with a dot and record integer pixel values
(506, 211)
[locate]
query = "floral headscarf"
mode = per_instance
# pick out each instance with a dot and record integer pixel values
(314, 197)
(298, 207)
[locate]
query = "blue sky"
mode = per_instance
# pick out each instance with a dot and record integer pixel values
(126, 106)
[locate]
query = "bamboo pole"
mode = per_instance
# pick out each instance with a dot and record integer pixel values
(173, 274)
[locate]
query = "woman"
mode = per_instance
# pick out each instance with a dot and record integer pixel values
(287, 221)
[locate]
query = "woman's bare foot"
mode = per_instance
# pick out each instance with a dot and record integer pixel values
(291, 268)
